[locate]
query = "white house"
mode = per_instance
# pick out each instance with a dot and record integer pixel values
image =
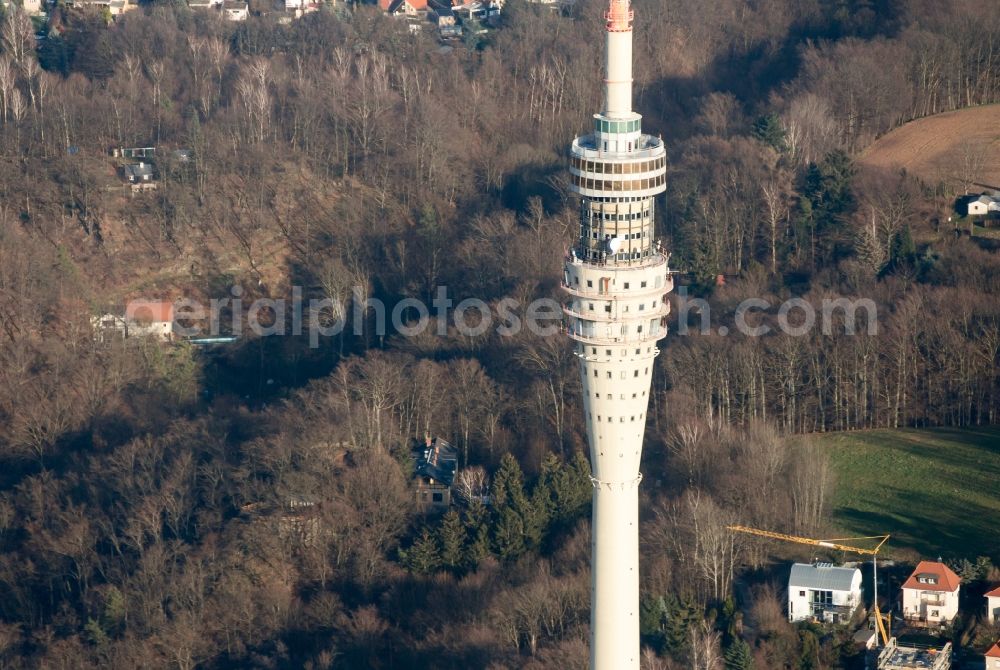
(982, 205)
(154, 318)
(993, 657)
(235, 10)
(930, 595)
(823, 591)
(993, 605)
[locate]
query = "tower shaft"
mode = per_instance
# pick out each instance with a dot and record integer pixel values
(617, 280)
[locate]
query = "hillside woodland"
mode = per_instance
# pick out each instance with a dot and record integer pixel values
(146, 490)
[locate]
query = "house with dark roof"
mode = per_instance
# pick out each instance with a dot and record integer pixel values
(434, 474)
(823, 592)
(930, 595)
(139, 176)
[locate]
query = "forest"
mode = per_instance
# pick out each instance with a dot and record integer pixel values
(150, 495)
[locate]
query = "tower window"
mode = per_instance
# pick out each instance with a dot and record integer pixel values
(626, 285)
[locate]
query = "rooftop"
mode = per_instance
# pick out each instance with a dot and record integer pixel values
(436, 460)
(995, 593)
(149, 311)
(823, 577)
(139, 171)
(933, 576)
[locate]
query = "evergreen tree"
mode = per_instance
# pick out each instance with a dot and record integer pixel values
(768, 129)
(478, 531)
(451, 539)
(739, 656)
(903, 247)
(508, 535)
(682, 613)
(423, 557)
(520, 522)
(727, 622)
(809, 658)
(827, 187)
(653, 620)
(508, 482)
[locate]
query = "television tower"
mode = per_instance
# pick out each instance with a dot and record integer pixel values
(617, 279)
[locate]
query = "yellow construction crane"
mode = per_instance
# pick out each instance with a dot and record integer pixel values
(836, 544)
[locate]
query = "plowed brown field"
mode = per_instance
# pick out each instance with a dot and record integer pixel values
(956, 148)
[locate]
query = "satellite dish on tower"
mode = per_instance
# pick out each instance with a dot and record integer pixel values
(614, 244)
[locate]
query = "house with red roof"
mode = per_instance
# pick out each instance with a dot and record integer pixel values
(993, 657)
(150, 318)
(404, 7)
(930, 595)
(993, 605)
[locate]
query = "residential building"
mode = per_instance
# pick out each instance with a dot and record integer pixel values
(139, 176)
(982, 205)
(403, 7)
(114, 7)
(993, 605)
(133, 152)
(993, 657)
(823, 592)
(930, 595)
(235, 10)
(30, 7)
(436, 467)
(154, 318)
(109, 325)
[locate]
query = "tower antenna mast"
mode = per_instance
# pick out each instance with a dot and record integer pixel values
(617, 278)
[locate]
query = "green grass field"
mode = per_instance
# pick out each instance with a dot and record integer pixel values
(937, 492)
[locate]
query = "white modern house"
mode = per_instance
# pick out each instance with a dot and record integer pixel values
(993, 605)
(930, 595)
(823, 591)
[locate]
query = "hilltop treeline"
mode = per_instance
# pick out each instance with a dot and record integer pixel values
(151, 497)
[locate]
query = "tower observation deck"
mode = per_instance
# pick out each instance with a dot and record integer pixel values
(617, 281)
